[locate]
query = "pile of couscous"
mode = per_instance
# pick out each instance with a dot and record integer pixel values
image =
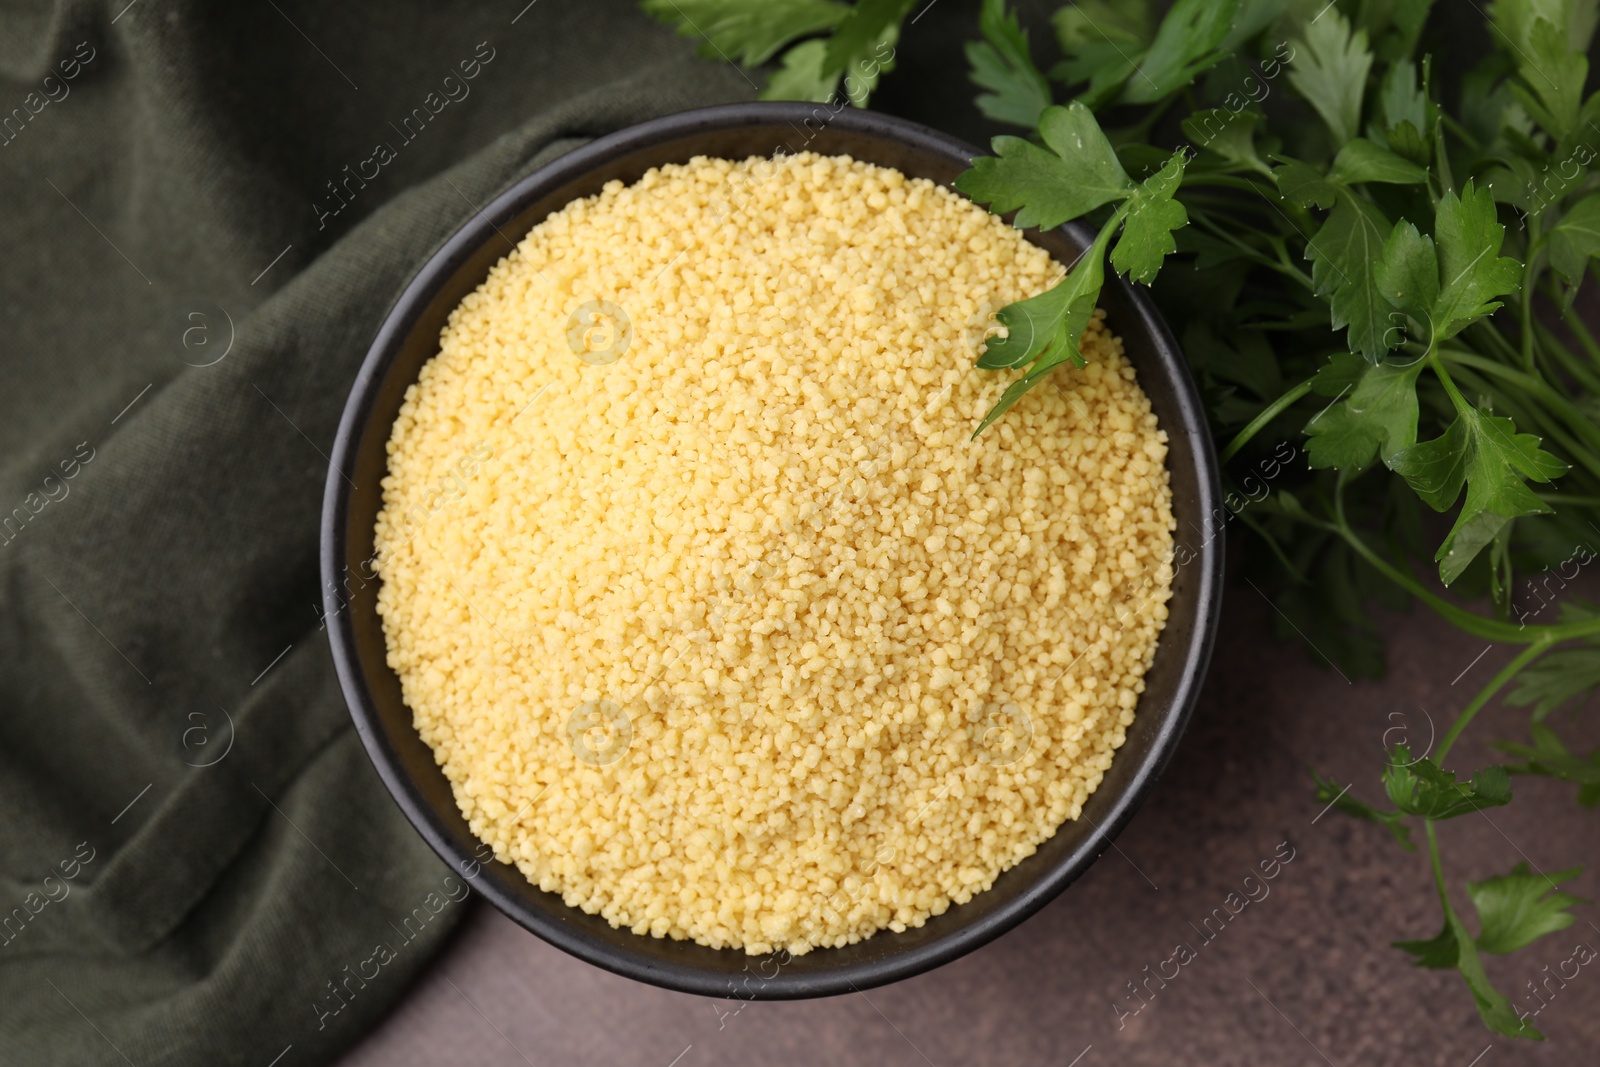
(717, 620)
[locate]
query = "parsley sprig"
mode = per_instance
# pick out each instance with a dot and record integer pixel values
(1367, 222)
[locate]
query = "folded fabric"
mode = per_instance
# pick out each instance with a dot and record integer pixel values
(209, 208)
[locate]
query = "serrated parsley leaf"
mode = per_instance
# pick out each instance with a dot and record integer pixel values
(749, 32)
(1493, 1007)
(1566, 672)
(1187, 42)
(1552, 73)
(1550, 757)
(1124, 22)
(1516, 909)
(1363, 161)
(1339, 798)
(1401, 98)
(1302, 184)
(1473, 271)
(1439, 952)
(1576, 19)
(1230, 134)
(1409, 117)
(1343, 256)
(1038, 327)
(869, 30)
(1575, 239)
(1374, 412)
(1488, 456)
(1002, 64)
(1075, 173)
(802, 76)
(1043, 331)
(1453, 947)
(1105, 65)
(1420, 787)
(1405, 140)
(1330, 70)
(1146, 239)
(1408, 273)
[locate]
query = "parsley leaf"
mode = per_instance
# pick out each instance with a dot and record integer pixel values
(749, 32)
(1513, 20)
(860, 49)
(1300, 183)
(1474, 272)
(1552, 74)
(1126, 23)
(1343, 255)
(1575, 239)
(1377, 415)
(1002, 64)
(1420, 787)
(1405, 18)
(802, 76)
(1565, 672)
(862, 45)
(1517, 909)
(1048, 326)
(1556, 679)
(1493, 1007)
(1408, 115)
(1146, 239)
(1076, 173)
(1044, 330)
(1549, 757)
(1230, 134)
(1363, 161)
(1454, 947)
(1330, 70)
(1187, 43)
(1487, 455)
(1102, 42)
(1330, 792)
(1408, 273)
(1439, 952)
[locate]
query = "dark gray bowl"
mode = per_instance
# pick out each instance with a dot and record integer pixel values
(409, 337)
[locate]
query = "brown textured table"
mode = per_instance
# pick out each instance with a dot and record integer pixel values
(1304, 975)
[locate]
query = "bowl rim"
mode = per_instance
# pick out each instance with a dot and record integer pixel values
(399, 320)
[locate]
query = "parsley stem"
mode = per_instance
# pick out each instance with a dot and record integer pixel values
(1228, 181)
(1574, 323)
(1281, 265)
(1571, 499)
(1438, 866)
(1528, 269)
(1537, 648)
(1567, 359)
(1493, 338)
(1270, 412)
(1471, 622)
(1458, 401)
(1441, 158)
(1465, 135)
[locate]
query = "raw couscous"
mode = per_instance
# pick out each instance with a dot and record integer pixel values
(715, 617)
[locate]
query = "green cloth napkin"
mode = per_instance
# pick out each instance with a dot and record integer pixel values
(207, 208)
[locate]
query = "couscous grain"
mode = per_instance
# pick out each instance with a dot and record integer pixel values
(716, 619)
